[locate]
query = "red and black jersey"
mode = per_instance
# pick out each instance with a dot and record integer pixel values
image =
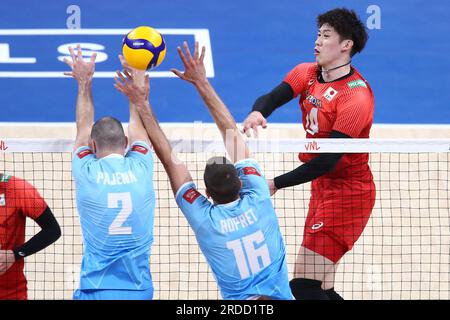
(18, 200)
(345, 105)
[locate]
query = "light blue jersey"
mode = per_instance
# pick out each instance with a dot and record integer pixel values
(116, 204)
(241, 240)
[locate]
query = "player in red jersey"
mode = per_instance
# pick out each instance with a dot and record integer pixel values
(336, 102)
(18, 200)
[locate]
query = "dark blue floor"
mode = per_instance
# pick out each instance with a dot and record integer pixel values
(254, 44)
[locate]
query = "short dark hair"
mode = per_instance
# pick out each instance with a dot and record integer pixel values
(221, 180)
(348, 25)
(107, 133)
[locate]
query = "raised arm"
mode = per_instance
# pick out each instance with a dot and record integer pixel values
(136, 129)
(83, 72)
(265, 105)
(195, 73)
(138, 95)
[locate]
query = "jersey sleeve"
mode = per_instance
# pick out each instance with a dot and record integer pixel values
(299, 77)
(28, 198)
(253, 182)
(81, 157)
(353, 113)
(193, 204)
(142, 153)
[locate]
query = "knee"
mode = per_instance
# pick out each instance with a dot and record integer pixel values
(307, 289)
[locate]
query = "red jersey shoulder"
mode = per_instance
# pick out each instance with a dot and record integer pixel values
(140, 149)
(353, 89)
(18, 188)
(357, 82)
(301, 77)
(14, 183)
(357, 92)
(304, 70)
(191, 194)
(307, 68)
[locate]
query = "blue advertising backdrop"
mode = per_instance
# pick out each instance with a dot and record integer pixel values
(253, 45)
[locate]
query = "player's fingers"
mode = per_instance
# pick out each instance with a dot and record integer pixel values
(196, 50)
(69, 63)
(121, 76)
(181, 54)
(264, 123)
(178, 73)
(128, 74)
(124, 62)
(202, 56)
(244, 129)
(247, 131)
(72, 54)
(119, 88)
(121, 81)
(79, 56)
(188, 52)
(117, 81)
(120, 85)
(255, 130)
(245, 126)
(273, 191)
(94, 55)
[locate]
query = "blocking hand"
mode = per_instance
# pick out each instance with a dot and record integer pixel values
(82, 71)
(194, 69)
(129, 85)
(138, 75)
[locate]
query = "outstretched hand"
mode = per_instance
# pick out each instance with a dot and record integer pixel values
(138, 75)
(194, 69)
(131, 87)
(82, 71)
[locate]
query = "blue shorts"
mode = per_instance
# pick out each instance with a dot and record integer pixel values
(110, 294)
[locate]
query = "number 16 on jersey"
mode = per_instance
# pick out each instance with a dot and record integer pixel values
(247, 255)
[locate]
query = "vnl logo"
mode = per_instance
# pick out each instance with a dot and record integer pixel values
(40, 53)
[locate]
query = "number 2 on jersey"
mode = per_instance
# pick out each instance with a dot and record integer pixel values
(244, 250)
(116, 226)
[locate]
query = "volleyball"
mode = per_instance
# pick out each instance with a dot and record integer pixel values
(144, 48)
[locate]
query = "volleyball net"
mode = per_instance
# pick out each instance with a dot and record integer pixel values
(403, 253)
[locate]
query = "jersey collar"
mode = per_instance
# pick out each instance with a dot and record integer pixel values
(229, 204)
(320, 79)
(113, 155)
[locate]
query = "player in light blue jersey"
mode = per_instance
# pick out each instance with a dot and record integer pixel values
(238, 233)
(115, 197)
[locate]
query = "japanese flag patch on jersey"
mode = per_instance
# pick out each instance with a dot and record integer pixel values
(190, 195)
(139, 149)
(330, 94)
(2, 200)
(251, 170)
